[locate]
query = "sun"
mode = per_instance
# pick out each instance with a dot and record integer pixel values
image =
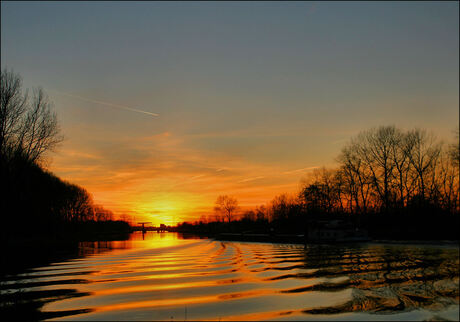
(161, 210)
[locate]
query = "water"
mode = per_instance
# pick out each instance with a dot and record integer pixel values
(167, 277)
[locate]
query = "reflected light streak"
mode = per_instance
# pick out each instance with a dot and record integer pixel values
(183, 301)
(156, 287)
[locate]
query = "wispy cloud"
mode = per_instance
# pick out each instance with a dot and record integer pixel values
(300, 170)
(251, 179)
(123, 107)
(340, 141)
(196, 177)
(137, 175)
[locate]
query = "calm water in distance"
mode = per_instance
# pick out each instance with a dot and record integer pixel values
(162, 276)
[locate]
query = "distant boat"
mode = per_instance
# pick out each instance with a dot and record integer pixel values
(335, 231)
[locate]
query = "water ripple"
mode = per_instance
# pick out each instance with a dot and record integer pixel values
(167, 278)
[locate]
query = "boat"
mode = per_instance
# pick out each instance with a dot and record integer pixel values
(335, 231)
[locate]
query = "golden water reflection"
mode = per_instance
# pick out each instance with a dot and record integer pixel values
(165, 276)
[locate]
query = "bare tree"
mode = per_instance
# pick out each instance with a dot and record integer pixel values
(249, 215)
(385, 167)
(28, 127)
(321, 190)
(217, 216)
(375, 147)
(13, 106)
(447, 183)
(40, 130)
(78, 204)
(285, 207)
(401, 148)
(101, 214)
(423, 157)
(227, 206)
(454, 149)
(261, 213)
(356, 178)
(126, 218)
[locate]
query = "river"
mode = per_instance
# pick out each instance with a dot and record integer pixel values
(163, 276)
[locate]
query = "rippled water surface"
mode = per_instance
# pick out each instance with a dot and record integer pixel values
(167, 277)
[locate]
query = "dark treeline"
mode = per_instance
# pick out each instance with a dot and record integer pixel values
(397, 184)
(35, 205)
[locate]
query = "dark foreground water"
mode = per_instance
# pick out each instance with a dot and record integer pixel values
(166, 277)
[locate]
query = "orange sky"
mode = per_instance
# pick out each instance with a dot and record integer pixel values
(173, 182)
(167, 105)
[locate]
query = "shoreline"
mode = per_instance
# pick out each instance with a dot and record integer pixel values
(300, 239)
(418, 242)
(24, 252)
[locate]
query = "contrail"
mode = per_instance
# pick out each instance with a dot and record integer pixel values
(127, 108)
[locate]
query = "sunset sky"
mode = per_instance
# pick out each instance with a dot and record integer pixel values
(166, 105)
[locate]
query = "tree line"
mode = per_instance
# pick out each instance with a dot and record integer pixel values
(32, 199)
(388, 170)
(406, 182)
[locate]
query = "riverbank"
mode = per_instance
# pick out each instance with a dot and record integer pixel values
(389, 228)
(300, 239)
(266, 238)
(25, 250)
(419, 242)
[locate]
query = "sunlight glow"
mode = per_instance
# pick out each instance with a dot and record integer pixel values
(164, 209)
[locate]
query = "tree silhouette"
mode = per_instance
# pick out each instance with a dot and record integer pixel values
(33, 201)
(226, 206)
(28, 126)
